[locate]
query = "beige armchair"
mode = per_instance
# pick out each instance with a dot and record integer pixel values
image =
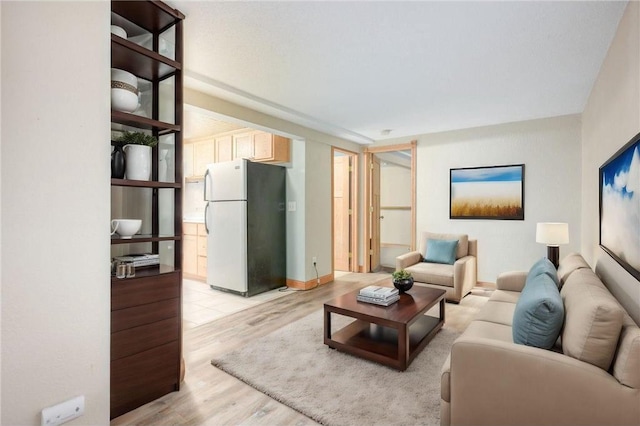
(457, 279)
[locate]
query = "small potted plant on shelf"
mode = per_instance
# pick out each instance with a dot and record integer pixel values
(137, 149)
(402, 280)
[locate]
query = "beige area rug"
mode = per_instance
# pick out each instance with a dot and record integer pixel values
(293, 366)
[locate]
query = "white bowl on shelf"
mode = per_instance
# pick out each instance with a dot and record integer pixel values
(123, 100)
(125, 228)
(124, 77)
(119, 31)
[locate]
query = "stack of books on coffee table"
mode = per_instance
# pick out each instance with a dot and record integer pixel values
(377, 295)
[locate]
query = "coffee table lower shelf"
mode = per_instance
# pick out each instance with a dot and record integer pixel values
(381, 344)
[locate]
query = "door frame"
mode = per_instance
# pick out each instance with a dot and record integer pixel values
(353, 217)
(368, 157)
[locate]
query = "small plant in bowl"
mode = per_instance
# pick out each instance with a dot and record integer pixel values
(136, 138)
(402, 280)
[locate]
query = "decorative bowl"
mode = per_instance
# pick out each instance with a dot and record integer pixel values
(123, 100)
(403, 285)
(125, 228)
(119, 31)
(124, 77)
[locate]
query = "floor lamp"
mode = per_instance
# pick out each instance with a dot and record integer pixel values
(552, 234)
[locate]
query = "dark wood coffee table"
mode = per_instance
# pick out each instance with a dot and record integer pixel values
(391, 335)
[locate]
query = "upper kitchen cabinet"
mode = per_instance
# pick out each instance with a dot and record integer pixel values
(224, 148)
(254, 145)
(270, 148)
(204, 153)
(243, 145)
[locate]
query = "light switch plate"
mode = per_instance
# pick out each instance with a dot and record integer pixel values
(63, 412)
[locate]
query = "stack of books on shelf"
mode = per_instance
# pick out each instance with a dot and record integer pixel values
(377, 295)
(140, 260)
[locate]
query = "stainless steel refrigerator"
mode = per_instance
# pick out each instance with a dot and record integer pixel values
(246, 225)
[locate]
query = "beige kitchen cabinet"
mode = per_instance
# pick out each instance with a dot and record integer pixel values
(190, 250)
(202, 251)
(243, 145)
(270, 148)
(224, 148)
(195, 251)
(204, 153)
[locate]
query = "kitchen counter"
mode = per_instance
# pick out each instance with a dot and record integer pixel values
(193, 218)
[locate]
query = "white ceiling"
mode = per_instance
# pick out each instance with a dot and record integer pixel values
(352, 69)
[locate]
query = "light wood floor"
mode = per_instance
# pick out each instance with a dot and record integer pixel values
(209, 396)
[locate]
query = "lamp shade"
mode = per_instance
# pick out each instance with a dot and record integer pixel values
(552, 234)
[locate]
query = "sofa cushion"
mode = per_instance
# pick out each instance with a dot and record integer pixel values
(543, 266)
(489, 330)
(626, 364)
(497, 312)
(432, 273)
(593, 319)
(441, 251)
(463, 242)
(505, 296)
(539, 313)
(570, 263)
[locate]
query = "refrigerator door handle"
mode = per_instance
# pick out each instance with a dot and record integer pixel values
(206, 225)
(206, 175)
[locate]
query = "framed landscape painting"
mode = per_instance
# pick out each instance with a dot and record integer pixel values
(620, 207)
(495, 192)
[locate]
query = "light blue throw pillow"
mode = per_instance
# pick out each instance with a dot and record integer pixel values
(543, 266)
(539, 313)
(441, 251)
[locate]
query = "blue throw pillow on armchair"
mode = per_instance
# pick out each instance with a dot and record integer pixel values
(441, 251)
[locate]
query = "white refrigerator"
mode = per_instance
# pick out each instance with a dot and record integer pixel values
(246, 226)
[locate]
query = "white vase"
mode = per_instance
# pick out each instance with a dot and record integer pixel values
(138, 162)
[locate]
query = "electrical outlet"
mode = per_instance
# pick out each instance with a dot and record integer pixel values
(63, 412)
(314, 260)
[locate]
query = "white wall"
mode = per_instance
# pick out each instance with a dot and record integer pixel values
(296, 232)
(610, 119)
(318, 208)
(55, 208)
(550, 150)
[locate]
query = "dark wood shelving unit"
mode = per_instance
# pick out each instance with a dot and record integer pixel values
(146, 310)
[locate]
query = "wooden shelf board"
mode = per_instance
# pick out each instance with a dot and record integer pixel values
(142, 62)
(144, 239)
(145, 184)
(152, 16)
(143, 122)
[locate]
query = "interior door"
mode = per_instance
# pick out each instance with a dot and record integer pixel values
(374, 249)
(341, 222)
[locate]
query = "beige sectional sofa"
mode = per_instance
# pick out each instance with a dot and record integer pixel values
(590, 377)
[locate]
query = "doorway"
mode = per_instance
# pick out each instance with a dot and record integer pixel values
(343, 206)
(390, 219)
